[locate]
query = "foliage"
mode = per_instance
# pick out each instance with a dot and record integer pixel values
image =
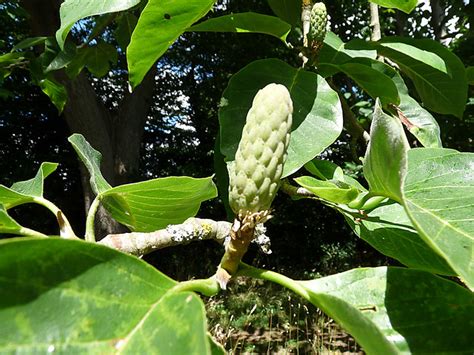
(63, 294)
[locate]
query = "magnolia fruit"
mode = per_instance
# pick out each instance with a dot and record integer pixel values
(318, 23)
(256, 171)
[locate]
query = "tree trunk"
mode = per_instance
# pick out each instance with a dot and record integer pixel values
(118, 137)
(437, 19)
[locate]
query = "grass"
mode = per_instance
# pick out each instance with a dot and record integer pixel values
(257, 317)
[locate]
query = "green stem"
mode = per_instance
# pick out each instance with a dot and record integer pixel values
(247, 270)
(90, 232)
(208, 287)
(66, 230)
(31, 233)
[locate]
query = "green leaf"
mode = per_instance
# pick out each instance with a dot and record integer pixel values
(419, 121)
(216, 348)
(70, 296)
(72, 11)
(327, 170)
(470, 75)
(98, 58)
(78, 62)
(63, 58)
(159, 25)
(56, 92)
(438, 74)
(125, 26)
(28, 42)
(375, 83)
(334, 191)
(317, 113)
(248, 22)
(288, 10)
(151, 205)
(385, 159)
(396, 310)
(8, 59)
(91, 159)
(404, 5)
(7, 224)
(336, 52)
(388, 229)
(25, 191)
(438, 197)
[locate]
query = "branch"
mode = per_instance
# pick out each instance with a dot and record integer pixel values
(375, 22)
(291, 190)
(192, 229)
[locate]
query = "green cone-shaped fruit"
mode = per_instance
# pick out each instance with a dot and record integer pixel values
(318, 23)
(256, 171)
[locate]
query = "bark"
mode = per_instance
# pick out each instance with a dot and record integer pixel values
(437, 19)
(117, 136)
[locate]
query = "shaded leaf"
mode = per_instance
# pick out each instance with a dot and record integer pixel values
(70, 296)
(125, 26)
(404, 5)
(385, 158)
(160, 24)
(28, 42)
(470, 75)
(317, 113)
(98, 58)
(91, 159)
(288, 10)
(247, 22)
(154, 204)
(396, 310)
(389, 230)
(56, 92)
(72, 11)
(439, 199)
(438, 74)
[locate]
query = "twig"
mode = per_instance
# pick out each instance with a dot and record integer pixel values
(192, 229)
(375, 22)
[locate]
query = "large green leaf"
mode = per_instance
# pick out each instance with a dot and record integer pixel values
(418, 120)
(389, 230)
(396, 310)
(385, 159)
(72, 11)
(151, 205)
(336, 52)
(438, 74)
(439, 199)
(91, 159)
(159, 25)
(317, 113)
(75, 297)
(245, 22)
(404, 5)
(372, 81)
(287, 10)
(25, 191)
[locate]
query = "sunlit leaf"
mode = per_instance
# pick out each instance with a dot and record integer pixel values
(70, 296)
(439, 199)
